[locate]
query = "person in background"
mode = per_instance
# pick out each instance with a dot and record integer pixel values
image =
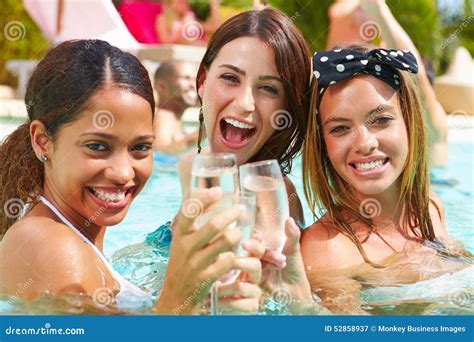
(175, 83)
(177, 24)
(397, 38)
(371, 21)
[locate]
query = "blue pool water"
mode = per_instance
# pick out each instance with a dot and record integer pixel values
(454, 183)
(161, 198)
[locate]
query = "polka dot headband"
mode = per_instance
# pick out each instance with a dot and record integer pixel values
(333, 66)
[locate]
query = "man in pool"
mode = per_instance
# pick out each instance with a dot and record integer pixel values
(175, 82)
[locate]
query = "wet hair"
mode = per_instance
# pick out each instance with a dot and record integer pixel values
(327, 192)
(292, 58)
(59, 89)
(430, 73)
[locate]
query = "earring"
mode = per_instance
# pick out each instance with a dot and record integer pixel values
(201, 119)
(43, 158)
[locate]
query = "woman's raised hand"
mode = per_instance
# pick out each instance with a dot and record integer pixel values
(198, 257)
(291, 283)
(243, 295)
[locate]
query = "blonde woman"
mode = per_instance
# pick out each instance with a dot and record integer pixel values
(365, 168)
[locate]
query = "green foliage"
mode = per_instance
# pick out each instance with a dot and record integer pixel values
(457, 29)
(311, 18)
(435, 32)
(419, 18)
(200, 8)
(20, 38)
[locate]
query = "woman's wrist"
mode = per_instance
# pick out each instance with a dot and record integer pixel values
(169, 304)
(302, 293)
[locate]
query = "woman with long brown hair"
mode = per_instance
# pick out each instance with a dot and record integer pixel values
(366, 176)
(253, 85)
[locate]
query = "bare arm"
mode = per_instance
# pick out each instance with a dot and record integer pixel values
(214, 20)
(327, 257)
(176, 145)
(168, 136)
(396, 37)
(165, 34)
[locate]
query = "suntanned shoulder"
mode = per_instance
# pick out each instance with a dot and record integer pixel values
(438, 218)
(324, 248)
(48, 254)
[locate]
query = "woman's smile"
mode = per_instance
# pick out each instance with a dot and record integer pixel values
(241, 94)
(236, 133)
(110, 197)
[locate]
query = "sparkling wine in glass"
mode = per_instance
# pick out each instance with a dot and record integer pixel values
(208, 171)
(211, 170)
(265, 179)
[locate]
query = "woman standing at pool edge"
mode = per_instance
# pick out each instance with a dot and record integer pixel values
(79, 161)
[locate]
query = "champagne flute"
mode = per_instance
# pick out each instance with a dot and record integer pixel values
(265, 179)
(211, 170)
(245, 223)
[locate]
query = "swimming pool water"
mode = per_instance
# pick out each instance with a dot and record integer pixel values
(454, 183)
(161, 198)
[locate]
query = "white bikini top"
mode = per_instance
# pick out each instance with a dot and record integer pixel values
(130, 297)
